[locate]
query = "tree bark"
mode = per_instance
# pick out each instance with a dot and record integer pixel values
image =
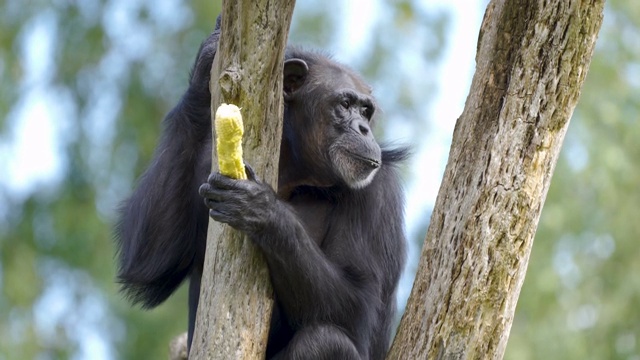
(236, 296)
(533, 56)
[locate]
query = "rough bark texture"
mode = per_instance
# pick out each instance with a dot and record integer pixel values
(533, 56)
(236, 295)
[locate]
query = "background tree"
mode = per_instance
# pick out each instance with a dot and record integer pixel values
(581, 296)
(532, 60)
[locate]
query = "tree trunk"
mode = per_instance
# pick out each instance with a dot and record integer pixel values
(236, 295)
(532, 59)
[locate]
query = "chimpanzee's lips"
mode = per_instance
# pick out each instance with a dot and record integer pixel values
(369, 161)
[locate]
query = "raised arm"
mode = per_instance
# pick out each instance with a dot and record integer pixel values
(162, 225)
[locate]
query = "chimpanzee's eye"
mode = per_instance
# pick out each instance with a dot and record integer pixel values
(367, 111)
(345, 103)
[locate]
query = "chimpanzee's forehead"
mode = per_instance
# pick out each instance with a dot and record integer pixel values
(338, 76)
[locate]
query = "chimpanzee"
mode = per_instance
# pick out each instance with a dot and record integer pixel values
(332, 232)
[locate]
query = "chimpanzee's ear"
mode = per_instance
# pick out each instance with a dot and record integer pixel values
(295, 74)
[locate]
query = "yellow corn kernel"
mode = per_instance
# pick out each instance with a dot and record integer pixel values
(229, 130)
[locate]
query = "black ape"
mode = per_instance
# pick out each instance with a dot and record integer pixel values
(332, 233)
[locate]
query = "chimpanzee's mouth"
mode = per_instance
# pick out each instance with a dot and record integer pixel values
(369, 161)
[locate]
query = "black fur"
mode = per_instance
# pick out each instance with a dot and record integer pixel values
(332, 233)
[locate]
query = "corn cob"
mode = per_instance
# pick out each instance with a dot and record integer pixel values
(229, 130)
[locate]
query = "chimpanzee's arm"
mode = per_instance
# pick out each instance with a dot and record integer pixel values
(310, 285)
(161, 223)
(162, 226)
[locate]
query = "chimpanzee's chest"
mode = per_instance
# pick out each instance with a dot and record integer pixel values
(313, 213)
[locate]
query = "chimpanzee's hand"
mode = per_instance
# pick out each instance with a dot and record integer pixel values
(201, 72)
(244, 204)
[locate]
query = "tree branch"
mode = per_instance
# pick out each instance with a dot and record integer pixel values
(532, 59)
(236, 296)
